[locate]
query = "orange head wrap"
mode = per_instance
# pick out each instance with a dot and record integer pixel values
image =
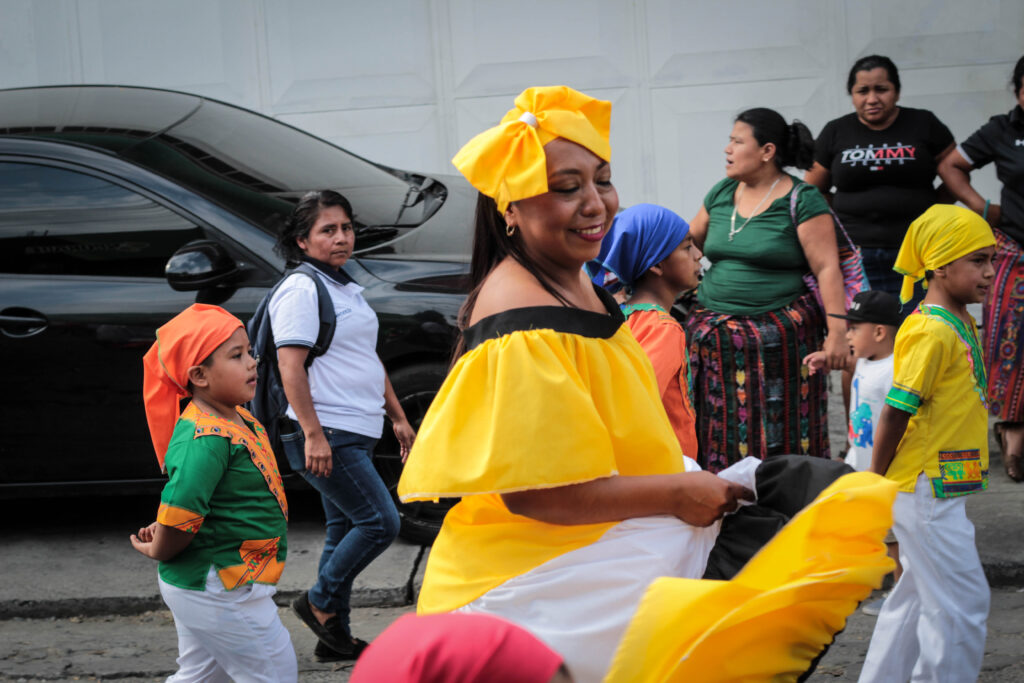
(185, 341)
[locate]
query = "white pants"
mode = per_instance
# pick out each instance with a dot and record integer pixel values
(229, 635)
(932, 625)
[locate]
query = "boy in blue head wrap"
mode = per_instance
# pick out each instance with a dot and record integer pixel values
(649, 253)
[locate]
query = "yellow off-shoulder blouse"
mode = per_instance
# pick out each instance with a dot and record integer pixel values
(544, 397)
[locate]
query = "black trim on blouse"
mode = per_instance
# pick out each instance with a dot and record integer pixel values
(557, 318)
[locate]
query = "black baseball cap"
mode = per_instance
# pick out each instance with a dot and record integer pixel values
(873, 306)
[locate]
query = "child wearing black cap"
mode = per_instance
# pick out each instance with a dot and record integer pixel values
(873, 319)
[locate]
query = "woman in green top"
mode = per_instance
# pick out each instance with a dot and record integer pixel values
(756, 319)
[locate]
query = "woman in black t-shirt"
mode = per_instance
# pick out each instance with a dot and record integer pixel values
(882, 160)
(1001, 140)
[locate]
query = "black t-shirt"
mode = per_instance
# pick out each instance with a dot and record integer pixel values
(1002, 140)
(884, 179)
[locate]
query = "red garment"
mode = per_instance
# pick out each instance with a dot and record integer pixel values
(185, 341)
(664, 341)
(456, 648)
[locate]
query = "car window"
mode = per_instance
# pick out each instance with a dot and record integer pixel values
(59, 222)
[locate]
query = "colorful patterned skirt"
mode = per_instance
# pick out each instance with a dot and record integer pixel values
(752, 393)
(1004, 316)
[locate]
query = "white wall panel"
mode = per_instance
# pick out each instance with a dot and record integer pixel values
(964, 97)
(406, 82)
(38, 43)
(936, 33)
(203, 47)
(692, 125)
(327, 54)
(500, 47)
(736, 40)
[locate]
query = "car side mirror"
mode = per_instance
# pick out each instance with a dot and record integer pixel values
(199, 265)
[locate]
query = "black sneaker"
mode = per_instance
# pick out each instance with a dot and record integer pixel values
(330, 633)
(324, 653)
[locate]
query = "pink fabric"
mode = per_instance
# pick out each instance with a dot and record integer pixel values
(456, 648)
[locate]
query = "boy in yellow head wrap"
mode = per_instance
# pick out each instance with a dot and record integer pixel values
(932, 440)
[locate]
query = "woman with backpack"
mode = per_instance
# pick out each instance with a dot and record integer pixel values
(336, 408)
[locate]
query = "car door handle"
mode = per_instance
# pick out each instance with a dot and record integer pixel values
(22, 322)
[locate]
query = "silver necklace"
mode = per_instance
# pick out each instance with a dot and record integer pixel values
(733, 230)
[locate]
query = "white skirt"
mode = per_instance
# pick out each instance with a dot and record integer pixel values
(580, 603)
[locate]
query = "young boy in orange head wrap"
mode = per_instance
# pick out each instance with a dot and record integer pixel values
(220, 531)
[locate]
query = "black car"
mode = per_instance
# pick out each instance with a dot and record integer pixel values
(120, 206)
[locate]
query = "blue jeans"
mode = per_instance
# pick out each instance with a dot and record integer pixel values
(361, 517)
(878, 267)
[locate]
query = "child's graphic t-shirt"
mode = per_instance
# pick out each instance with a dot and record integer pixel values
(872, 380)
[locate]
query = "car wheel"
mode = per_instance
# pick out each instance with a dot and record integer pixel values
(415, 386)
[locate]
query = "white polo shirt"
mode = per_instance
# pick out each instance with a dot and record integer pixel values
(347, 382)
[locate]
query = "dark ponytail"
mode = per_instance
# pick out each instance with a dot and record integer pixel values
(794, 144)
(800, 152)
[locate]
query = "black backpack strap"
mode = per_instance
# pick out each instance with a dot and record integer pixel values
(328, 319)
(261, 336)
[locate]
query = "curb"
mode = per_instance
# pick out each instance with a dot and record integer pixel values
(999, 575)
(391, 596)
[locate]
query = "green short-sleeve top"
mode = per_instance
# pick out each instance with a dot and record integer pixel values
(762, 268)
(224, 487)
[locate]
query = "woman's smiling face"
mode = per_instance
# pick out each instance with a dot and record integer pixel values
(563, 227)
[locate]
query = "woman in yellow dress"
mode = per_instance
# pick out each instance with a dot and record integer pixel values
(575, 493)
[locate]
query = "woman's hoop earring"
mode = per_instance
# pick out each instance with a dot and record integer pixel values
(510, 229)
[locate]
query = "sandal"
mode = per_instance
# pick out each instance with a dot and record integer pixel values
(1012, 462)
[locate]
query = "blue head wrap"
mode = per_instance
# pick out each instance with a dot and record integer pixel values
(640, 237)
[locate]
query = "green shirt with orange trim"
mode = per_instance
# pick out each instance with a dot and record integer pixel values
(939, 378)
(224, 486)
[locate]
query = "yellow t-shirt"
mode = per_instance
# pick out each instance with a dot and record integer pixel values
(939, 378)
(545, 397)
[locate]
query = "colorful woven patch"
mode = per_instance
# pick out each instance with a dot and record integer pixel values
(259, 564)
(960, 473)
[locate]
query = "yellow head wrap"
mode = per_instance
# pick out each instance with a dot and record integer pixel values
(940, 235)
(507, 162)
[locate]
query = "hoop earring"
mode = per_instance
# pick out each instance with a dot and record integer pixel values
(510, 229)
